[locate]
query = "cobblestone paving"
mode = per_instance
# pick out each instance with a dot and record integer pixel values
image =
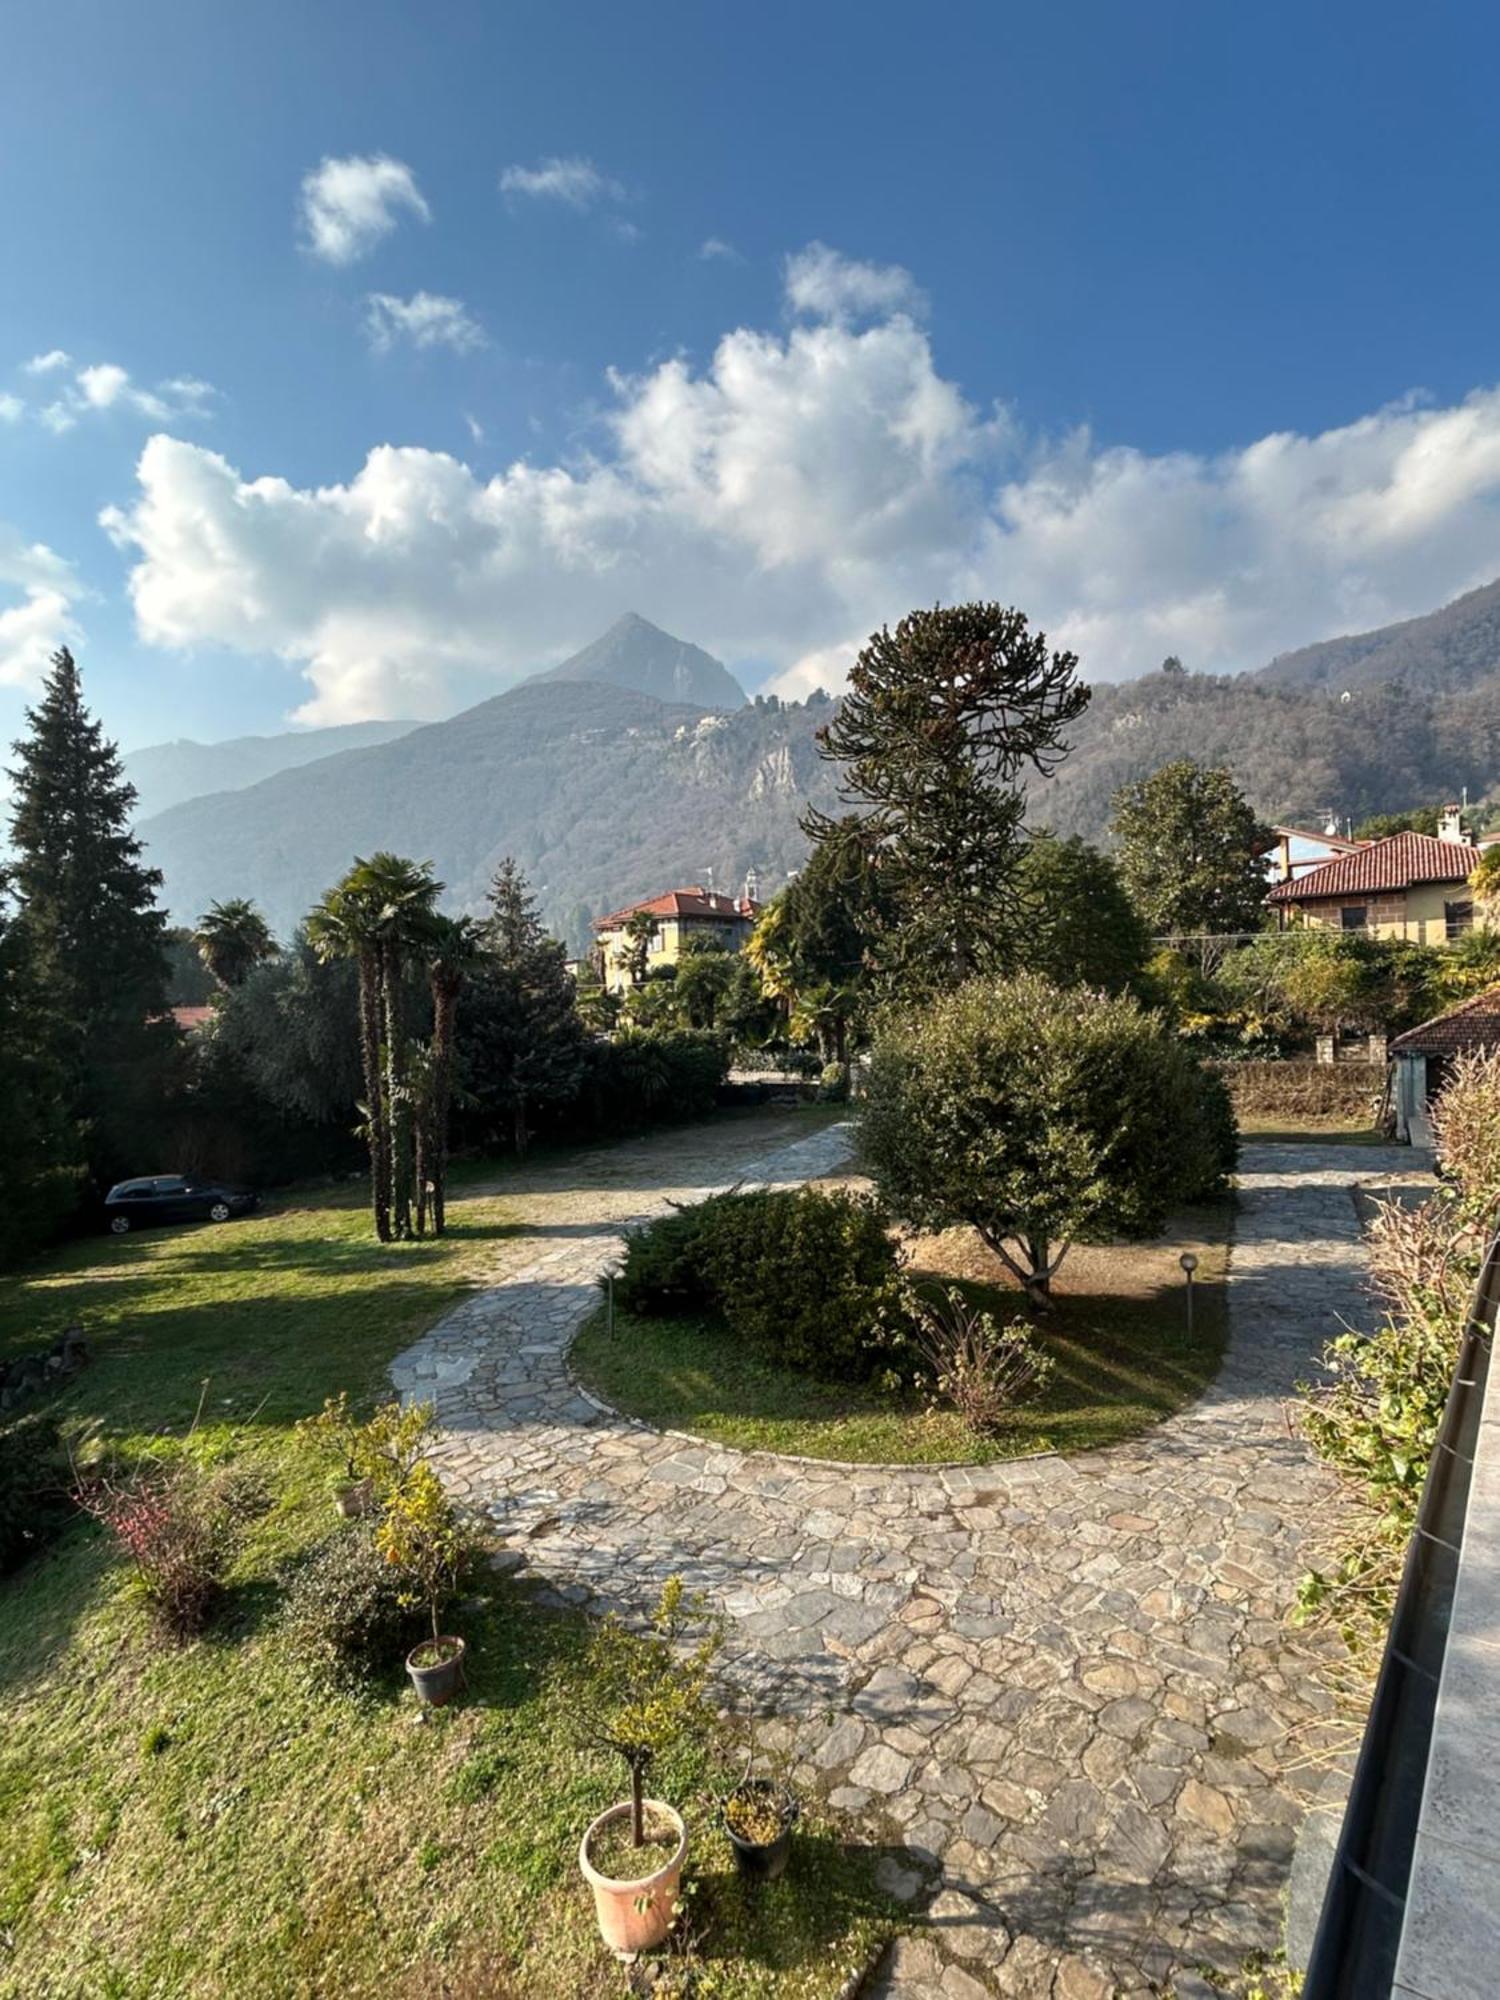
(1060, 1690)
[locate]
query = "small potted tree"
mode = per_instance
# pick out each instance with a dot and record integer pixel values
(375, 1456)
(420, 1534)
(638, 1694)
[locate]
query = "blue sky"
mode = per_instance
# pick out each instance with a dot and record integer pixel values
(1173, 323)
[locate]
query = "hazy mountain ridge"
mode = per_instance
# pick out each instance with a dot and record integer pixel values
(636, 654)
(600, 793)
(604, 793)
(1444, 651)
(164, 774)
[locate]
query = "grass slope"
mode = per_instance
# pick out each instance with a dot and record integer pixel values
(201, 1821)
(1122, 1360)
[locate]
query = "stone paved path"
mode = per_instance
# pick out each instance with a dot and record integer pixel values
(1062, 1689)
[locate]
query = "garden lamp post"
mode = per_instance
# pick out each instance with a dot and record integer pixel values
(1189, 1263)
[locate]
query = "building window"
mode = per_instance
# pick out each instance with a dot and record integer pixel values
(1457, 918)
(1354, 917)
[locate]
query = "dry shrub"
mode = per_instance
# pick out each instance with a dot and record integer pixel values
(1466, 1127)
(179, 1526)
(981, 1368)
(1304, 1089)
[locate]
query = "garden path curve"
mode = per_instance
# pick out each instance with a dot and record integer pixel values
(1065, 1687)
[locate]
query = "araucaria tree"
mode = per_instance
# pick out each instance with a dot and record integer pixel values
(944, 718)
(1039, 1116)
(525, 1038)
(232, 939)
(1192, 852)
(88, 929)
(382, 915)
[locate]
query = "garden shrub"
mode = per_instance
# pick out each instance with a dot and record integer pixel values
(803, 1273)
(179, 1526)
(643, 1077)
(345, 1619)
(34, 1483)
(980, 1368)
(1040, 1116)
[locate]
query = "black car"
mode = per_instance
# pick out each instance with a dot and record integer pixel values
(173, 1198)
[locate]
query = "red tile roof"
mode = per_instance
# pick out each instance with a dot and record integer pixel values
(188, 1018)
(1398, 862)
(1473, 1024)
(684, 903)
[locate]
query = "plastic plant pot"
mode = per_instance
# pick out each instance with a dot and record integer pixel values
(635, 1915)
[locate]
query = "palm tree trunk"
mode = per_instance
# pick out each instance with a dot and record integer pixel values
(444, 1018)
(398, 1103)
(376, 1130)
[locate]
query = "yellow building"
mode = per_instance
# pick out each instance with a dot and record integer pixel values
(1410, 885)
(680, 914)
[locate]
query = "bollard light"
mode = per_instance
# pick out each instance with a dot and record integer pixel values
(1189, 1263)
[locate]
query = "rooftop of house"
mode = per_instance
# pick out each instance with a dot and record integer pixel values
(1401, 861)
(695, 902)
(1473, 1024)
(188, 1018)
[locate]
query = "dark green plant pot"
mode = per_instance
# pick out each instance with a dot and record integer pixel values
(763, 1860)
(437, 1680)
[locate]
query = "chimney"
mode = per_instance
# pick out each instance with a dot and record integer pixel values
(1451, 826)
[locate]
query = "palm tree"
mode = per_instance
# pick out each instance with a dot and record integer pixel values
(400, 896)
(343, 926)
(452, 949)
(232, 939)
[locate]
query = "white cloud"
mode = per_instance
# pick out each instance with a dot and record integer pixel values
(348, 205)
(476, 428)
(48, 363)
(784, 500)
(824, 284)
(105, 385)
(576, 182)
(716, 247)
(12, 409)
(426, 319)
(33, 628)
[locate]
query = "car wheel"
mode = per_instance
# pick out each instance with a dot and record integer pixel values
(119, 1225)
(219, 1212)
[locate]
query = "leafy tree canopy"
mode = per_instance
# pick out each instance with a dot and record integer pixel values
(1081, 927)
(1190, 852)
(1038, 1116)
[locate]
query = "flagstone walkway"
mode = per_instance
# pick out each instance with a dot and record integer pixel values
(1061, 1690)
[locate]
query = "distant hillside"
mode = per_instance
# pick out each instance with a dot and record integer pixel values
(1298, 753)
(602, 794)
(1444, 651)
(167, 773)
(636, 654)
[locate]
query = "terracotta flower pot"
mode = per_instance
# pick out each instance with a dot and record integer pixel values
(635, 1915)
(436, 1680)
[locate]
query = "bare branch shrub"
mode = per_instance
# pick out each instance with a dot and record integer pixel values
(981, 1368)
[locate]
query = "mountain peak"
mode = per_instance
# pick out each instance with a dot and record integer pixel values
(636, 654)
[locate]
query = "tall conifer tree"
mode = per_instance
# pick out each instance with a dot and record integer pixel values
(89, 929)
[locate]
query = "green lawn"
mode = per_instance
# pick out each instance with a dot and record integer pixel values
(201, 1821)
(1122, 1360)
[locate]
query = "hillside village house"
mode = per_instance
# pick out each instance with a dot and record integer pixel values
(679, 914)
(1410, 885)
(1421, 1059)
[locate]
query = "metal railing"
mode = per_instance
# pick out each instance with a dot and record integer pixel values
(1359, 1931)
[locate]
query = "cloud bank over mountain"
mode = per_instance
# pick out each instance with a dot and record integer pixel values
(790, 494)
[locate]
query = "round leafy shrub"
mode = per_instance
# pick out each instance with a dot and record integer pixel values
(809, 1276)
(1040, 1115)
(345, 1619)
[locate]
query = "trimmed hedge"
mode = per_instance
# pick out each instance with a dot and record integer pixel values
(807, 1275)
